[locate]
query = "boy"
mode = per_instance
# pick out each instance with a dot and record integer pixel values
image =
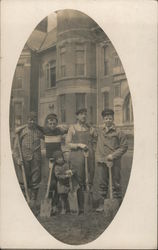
(29, 136)
(53, 139)
(111, 146)
(80, 136)
(62, 173)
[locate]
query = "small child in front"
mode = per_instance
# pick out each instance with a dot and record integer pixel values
(62, 173)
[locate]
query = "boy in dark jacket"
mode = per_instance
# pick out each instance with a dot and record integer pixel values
(53, 139)
(111, 146)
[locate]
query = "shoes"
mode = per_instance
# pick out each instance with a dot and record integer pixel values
(101, 206)
(63, 211)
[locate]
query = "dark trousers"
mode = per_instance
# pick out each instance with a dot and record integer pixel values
(103, 180)
(33, 172)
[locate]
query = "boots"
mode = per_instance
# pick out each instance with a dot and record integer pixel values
(34, 193)
(80, 196)
(101, 205)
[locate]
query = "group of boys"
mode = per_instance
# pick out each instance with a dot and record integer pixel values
(111, 145)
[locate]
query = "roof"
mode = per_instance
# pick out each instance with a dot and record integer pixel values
(36, 39)
(50, 40)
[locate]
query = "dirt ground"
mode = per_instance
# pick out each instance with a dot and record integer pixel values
(81, 229)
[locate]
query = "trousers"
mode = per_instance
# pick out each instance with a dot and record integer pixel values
(103, 180)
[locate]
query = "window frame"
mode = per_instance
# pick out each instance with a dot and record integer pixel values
(50, 65)
(80, 48)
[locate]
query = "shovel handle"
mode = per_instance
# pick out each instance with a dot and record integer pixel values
(23, 171)
(86, 171)
(49, 178)
(110, 183)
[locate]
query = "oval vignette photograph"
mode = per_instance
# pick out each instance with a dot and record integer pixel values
(71, 127)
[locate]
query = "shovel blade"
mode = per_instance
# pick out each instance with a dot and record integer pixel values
(88, 201)
(73, 202)
(46, 207)
(111, 207)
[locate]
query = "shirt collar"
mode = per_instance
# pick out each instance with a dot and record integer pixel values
(109, 129)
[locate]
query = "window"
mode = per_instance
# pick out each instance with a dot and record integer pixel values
(105, 100)
(19, 74)
(80, 101)
(17, 114)
(128, 113)
(117, 90)
(63, 61)
(62, 108)
(106, 60)
(79, 65)
(51, 74)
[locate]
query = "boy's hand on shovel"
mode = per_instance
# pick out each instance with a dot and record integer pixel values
(109, 161)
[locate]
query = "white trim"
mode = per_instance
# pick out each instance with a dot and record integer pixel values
(52, 139)
(75, 89)
(48, 99)
(105, 89)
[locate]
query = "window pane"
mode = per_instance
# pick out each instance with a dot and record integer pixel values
(80, 101)
(62, 108)
(117, 91)
(53, 76)
(17, 114)
(106, 68)
(79, 69)
(106, 100)
(63, 70)
(80, 57)
(19, 74)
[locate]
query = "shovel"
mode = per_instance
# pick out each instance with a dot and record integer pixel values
(73, 199)
(23, 172)
(46, 204)
(111, 205)
(87, 192)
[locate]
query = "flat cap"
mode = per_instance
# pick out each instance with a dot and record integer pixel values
(51, 116)
(107, 112)
(81, 110)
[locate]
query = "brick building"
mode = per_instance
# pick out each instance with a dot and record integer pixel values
(73, 65)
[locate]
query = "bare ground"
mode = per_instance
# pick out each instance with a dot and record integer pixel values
(81, 229)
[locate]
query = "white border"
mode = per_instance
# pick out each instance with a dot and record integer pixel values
(131, 26)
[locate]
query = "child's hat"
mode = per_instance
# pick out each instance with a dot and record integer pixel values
(51, 116)
(107, 112)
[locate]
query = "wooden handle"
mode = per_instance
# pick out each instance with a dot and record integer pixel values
(49, 178)
(110, 183)
(86, 172)
(23, 172)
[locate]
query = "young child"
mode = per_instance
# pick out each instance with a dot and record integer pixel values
(111, 146)
(53, 138)
(62, 173)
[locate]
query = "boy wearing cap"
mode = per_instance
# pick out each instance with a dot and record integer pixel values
(80, 136)
(53, 138)
(111, 145)
(29, 136)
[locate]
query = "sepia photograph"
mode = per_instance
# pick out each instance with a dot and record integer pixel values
(78, 124)
(71, 126)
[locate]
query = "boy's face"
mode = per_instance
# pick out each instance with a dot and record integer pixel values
(52, 123)
(82, 117)
(32, 122)
(60, 160)
(108, 120)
